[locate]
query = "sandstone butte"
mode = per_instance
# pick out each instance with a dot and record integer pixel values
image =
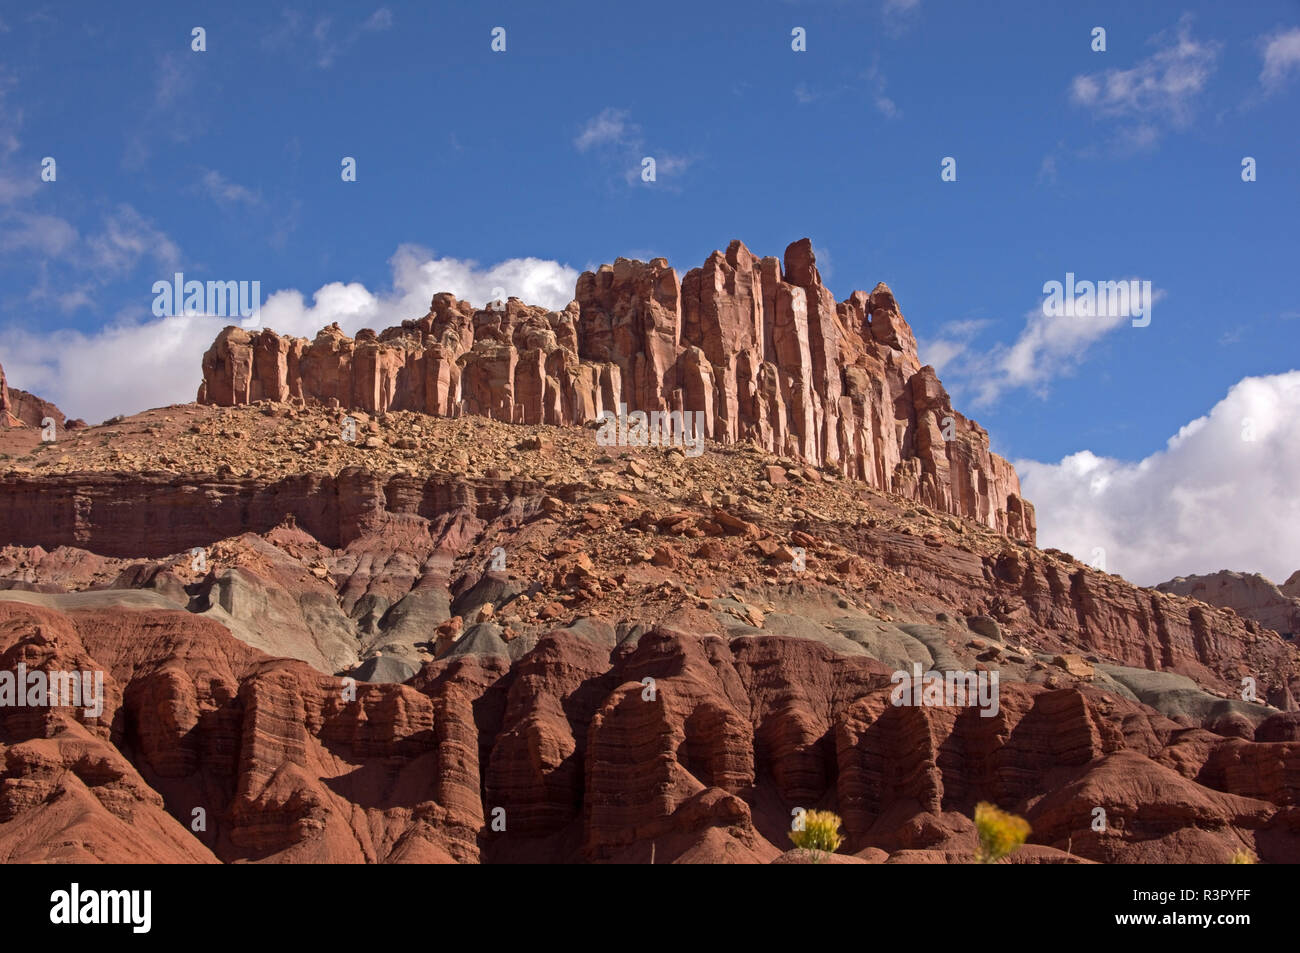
(764, 351)
(227, 564)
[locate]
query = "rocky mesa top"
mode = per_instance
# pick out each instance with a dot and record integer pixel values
(758, 346)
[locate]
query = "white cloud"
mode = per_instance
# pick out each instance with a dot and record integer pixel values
(48, 235)
(224, 192)
(326, 50)
(14, 188)
(534, 280)
(381, 19)
(133, 365)
(898, 15)
(877, 82)
(825, 265)
(666, 166)
(70, 265)
(1048, 347)
(1210, 500)
(1047, 170)
(11, 117)
(940, 353)
(609, 128)
(953, 342)
(873, 81)
(127, 238)
(120, 369)
(1281, 57)
(1158, 91)
(318, 40)
(173, 82)
(621, 146)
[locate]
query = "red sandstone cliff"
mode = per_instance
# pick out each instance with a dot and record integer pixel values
(761, 348)
(1249, 594)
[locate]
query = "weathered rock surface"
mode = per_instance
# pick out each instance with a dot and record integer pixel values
(758, 346)
(675, 746)
(1250, 595)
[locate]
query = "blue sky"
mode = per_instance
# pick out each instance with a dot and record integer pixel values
(1124, 163)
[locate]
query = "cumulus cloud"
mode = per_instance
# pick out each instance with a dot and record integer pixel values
(1159, 92)
(1281, 57)
(1220, 495)
(132, 365)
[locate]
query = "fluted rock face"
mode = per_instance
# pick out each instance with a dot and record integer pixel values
(673, 746)
(759, 346)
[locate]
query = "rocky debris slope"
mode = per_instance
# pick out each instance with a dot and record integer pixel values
(359, 556)
(1250, 595)
(759, 347)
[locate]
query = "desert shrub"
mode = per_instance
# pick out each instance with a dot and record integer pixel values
(1000, 833)
(821, 831)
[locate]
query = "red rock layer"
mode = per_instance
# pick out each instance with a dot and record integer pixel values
(1091, 611)
(760, 347)
(1028, 592)
(678, 748)
(153, 514)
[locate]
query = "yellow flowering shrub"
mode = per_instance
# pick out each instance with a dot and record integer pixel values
(821, 831)
(1000, 833)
